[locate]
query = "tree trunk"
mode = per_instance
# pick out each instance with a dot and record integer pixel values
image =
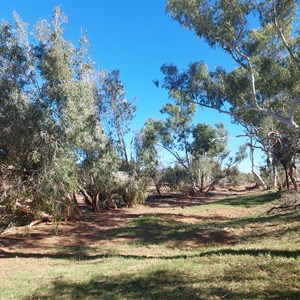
(95, 203)
(75, 201)
(261, 181)
(72, 207)
(293, 179)
(258, 177)
(112, 202)
(158, 190)
(287, 181)
(87, 198)
(202, 182)
(274, 174)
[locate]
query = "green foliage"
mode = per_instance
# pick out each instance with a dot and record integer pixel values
(199, 151)
(263, 40)
(52, 140)
(116, 112)
(208, 140)
(132, 190)
(266, 79)
(178, 179)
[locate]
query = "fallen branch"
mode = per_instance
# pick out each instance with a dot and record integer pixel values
(285, 206)
(44, 217)
(24, 209)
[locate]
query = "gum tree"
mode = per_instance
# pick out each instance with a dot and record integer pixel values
(262, 39)
(116, 112)
(199, 152)
(52, 141)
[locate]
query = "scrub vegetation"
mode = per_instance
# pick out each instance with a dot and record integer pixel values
(87, 213)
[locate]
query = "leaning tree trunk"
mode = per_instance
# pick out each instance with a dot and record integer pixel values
(259, 178)
(87, 198)
(158, 189)
(91, 201)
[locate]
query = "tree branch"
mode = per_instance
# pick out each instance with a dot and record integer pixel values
(176, 155)
(286, 120)
(292, 110)
(283, 39)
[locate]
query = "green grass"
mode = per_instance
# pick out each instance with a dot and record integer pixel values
(252, 256)
(252, 200)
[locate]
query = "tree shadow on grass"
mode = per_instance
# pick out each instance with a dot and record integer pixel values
(149, 230)
(85, 256)
(153, 230)
(158, 284)
(253, 252)
(173, 201)
(252, 200)
(161, 284)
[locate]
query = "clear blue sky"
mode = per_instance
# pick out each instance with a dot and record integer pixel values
(136, 37)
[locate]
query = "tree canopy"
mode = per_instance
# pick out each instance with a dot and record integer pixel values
(262, 38)
(63, 122)
(54, 106)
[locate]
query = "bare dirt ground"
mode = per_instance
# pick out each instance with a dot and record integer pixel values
(87, 230)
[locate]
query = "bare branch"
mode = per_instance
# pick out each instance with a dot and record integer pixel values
(228, 47)
(226, 137)
(175, 154)
(292, 109)
(286, 120)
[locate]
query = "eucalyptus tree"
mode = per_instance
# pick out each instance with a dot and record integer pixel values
(199, 150)
(15, 81)
(116, 112)
(52, 141)
(176, 130)
(171, 134)
(212, 162)
(261, 37)
(266, 79)
(146, 152)
(65, 87)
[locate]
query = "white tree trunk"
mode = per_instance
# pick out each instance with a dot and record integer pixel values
(254, 172)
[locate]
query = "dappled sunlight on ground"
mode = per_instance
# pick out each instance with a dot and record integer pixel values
(173, 221)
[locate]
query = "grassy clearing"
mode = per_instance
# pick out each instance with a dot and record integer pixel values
(249, 201)
(193, 255)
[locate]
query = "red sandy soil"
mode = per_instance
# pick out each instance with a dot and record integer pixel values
(91, 226)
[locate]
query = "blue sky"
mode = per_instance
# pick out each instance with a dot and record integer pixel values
(136, 37)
